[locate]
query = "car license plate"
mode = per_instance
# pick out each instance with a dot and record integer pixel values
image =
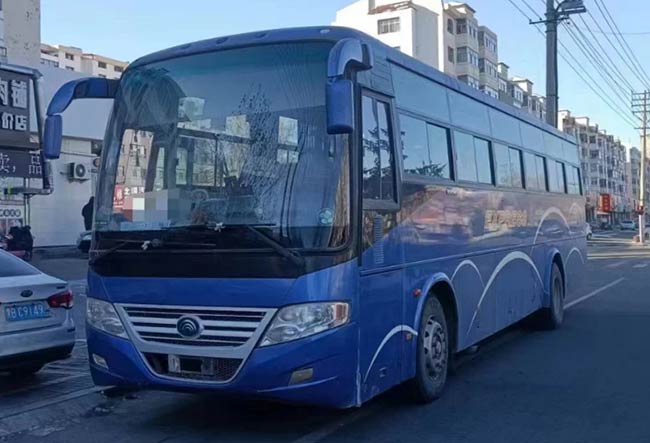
(26, 311)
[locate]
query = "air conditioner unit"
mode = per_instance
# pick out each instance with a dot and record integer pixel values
(78, 171)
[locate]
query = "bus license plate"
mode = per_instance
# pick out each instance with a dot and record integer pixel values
(28, 311)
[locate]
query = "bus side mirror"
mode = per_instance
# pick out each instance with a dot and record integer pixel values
(340, 107)
(348, 54)
(52, 136)
(91, 87)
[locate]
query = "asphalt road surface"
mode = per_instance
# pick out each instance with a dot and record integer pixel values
(587, 382)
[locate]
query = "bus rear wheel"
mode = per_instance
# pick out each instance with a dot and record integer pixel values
(432, 356)
(552, 317)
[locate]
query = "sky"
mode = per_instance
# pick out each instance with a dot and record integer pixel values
(128, 29)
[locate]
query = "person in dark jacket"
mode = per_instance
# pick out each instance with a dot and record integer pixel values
(87, 213)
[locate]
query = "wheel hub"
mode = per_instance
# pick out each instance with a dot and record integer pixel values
(435, 348)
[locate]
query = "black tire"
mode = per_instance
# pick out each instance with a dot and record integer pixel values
(26, 370)
(552, 317)
(432, 354)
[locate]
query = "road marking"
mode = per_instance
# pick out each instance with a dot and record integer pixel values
(640, 265)
(615, 265)
(593, 293)
(330, 428)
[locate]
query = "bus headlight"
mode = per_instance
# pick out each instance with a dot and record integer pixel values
(299, 321)
(102, 315)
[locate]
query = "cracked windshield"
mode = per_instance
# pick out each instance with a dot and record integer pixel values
(245, 144)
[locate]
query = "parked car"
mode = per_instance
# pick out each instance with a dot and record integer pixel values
(588, 231)
(626, 225)
(83, 241)
(36, 323)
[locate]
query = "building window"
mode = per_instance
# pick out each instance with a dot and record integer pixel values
(388, 25)
(69, 68)
(69, 56)
(52, 63)
(462, 54)
(450, 26)
(450, 54)
(101, 65)
(121, 69)
(3, 51)
(461, 26)
(101, 76)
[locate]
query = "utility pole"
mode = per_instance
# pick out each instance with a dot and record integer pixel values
(640, 107)
(555, 15)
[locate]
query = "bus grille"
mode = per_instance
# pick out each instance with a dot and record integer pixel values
(220, 327)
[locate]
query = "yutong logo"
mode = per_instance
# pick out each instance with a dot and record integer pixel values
(188, 327)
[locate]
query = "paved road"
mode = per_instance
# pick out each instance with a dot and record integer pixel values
(587, 382)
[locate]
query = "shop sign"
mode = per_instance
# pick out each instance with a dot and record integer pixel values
(21, 164)
(14, 110)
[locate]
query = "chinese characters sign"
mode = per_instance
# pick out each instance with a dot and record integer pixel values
(20, 164)
(14, 110)
(605, 203)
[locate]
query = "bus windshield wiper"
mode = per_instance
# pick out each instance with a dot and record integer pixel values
(145, 245)
(289, 254)
(106, 252)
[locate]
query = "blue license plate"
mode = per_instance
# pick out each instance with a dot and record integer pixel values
(26, 311)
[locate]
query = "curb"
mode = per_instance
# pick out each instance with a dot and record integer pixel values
(58, 252)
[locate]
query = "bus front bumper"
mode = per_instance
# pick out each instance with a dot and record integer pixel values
(268, 371)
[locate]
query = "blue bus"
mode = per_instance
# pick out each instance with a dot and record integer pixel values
(312, 216)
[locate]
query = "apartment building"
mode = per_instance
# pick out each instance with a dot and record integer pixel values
(20, 31)
(74, 59)
(604, 170)
(447, 36)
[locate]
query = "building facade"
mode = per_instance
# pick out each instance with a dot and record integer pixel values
(604, 170)
(74, 59)
(447, 36)
(56, 218)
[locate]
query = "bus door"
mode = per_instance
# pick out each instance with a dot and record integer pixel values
(380, 298)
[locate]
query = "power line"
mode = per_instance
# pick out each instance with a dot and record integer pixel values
(531, 8)
(623, 57)
(600, 67)
(602, 49)
(619, 37)
(623, 33)
(606, 99)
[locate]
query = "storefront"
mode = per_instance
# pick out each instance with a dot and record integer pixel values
(21, 166)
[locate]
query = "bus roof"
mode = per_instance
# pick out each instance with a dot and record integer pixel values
(334, 34)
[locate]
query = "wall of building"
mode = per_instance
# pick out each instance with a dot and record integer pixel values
(56, 219)
(427, 31)
(22, 31)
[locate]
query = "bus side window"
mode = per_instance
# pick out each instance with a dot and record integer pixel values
(378, 159)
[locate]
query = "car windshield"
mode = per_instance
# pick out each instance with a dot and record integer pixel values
(229, 138)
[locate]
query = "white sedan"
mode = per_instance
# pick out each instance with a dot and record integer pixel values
(36, 323)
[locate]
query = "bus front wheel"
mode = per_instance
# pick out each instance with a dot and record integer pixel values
(432, 357)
